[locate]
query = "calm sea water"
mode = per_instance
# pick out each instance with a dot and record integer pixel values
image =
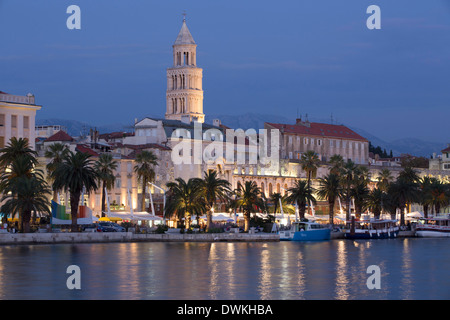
(337, 269)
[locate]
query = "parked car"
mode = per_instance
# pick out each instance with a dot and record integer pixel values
(112, 225)
(101, 227)
(90, 227)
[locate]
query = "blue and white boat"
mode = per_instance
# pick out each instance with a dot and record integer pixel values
(306, 231)
(371, 229)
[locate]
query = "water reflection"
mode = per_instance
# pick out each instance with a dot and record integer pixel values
(411, 269)
(341, 291)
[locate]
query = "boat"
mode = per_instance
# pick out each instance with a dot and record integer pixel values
(371, 229)
(305, 231)
(438, 227)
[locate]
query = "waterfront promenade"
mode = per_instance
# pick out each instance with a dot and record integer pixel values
(96, 237)
(93, 237)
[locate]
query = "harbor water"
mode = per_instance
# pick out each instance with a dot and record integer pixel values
(410, 268)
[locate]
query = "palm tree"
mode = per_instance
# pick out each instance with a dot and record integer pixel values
(403, 193)
(347, 180)
(330, 189)
(337, 164)
(375, 201)
(105, 167)
(56, 153)
(15, 148)
(25, 194)
(309, 163)
(213, 189)
(359, 193)
(275, 198)
(301, 195)
(249, 200)
(74, 174)
(384, 179)
(439, 195)
(144, 168)
(183, 199)
(426, 197)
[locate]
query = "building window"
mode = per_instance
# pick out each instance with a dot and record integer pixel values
(26, 122)
(337, 144)
(2, 120)
(13, 121)
(331, 143)
(447, 166)
(305, 141)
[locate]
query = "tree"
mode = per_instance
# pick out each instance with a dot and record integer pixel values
(439, 195)
(337, 164)
(105, 167)
(301, 195)
(213, 189)
(384, 178)
(275, 198)
(309, 163)
(426, 197)
(75, 174)
(347, 180)
(25, 194)
(14, 149)
(375, 202)
(56, 153)
(183, 199)
(144, 168)
(403, 193)
(330, 189)
(249, 200)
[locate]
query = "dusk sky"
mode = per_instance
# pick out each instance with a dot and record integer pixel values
(269, 57)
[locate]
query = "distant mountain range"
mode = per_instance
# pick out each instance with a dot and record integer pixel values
(411, 146)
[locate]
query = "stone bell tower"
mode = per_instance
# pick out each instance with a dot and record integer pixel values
(184, 96)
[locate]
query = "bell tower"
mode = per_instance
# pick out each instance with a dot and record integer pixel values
(184, 96)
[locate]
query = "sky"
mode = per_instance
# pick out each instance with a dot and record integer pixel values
(314, 57)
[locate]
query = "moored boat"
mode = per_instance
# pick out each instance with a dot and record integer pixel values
(371, 229)
(433, 227)
(306, 231)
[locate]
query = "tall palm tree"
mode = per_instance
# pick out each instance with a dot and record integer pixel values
(15, 148)
(105, 167)
(144, 168)
(301, 195)
(439, 195)
(309, 162)
(426, 197)
(359, 193)
(375, 201)
(330, 189)
(212, 188)
(25, 194)
(347, 180)
(249, 200)
(183, 199)
(384, 178)
(74, 174)
(337, 164)
(275, 199)
(403, 192)
(56, 153)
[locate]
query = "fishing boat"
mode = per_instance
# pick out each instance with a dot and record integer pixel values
(305, 231)
(437, 227)
(371, 229)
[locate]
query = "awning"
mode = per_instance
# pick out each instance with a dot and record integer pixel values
(133, 216)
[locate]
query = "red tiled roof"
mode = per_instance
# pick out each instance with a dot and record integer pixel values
(84, 149)
(319, 129)
(115, 135)
(446, 149)
(59, 136)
